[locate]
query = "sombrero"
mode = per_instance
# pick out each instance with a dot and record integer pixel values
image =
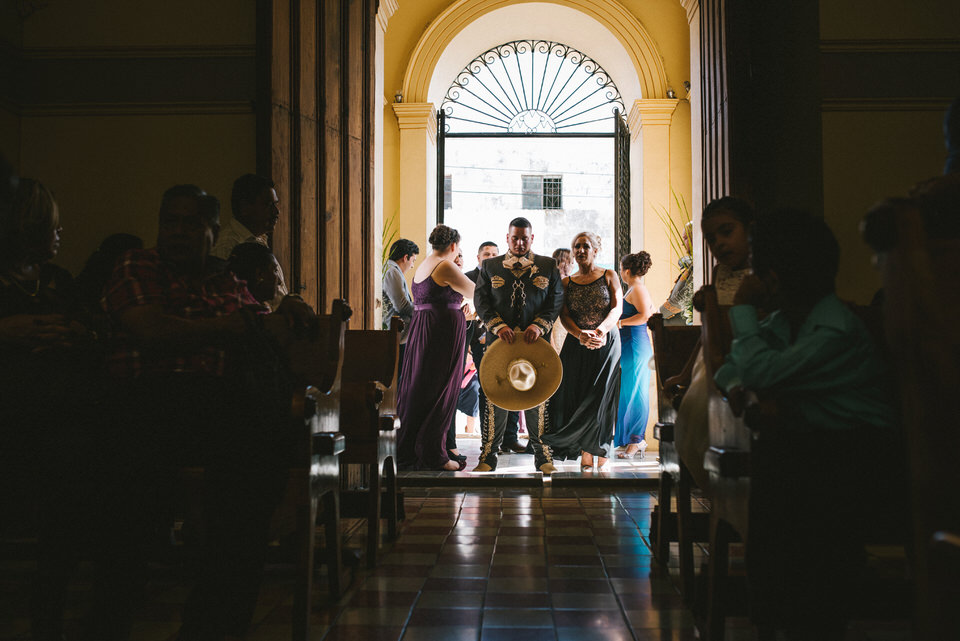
(517, 376)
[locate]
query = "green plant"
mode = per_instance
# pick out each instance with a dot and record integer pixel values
(675, 233)
(391, 228)
(681, 240)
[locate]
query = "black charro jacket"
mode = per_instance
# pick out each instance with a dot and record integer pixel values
(517, 291)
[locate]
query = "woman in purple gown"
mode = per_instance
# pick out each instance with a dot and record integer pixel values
(433, 361)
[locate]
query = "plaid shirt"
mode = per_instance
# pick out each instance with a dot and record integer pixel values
(141, 278)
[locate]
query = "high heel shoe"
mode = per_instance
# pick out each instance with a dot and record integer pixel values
(456, 457)
(637, 453)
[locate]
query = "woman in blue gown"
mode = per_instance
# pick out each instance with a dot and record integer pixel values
(635, 356)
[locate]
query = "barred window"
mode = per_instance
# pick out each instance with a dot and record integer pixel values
(542, 192)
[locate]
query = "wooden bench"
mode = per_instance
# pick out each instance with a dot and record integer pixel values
(673, 346)
(922, 301)
(728, 464)
(315, 360)
(368, 418)
(753, 458)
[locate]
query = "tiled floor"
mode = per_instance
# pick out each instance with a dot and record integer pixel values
(478, 564)
(519, 468)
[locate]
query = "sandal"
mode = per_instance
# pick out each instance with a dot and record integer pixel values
(639, 452)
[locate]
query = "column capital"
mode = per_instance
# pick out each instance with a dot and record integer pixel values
(416, 115)
(385, 12)
(691, 7)
(650, 112)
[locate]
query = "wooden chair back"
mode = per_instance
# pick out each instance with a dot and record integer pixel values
(922, 304)
(727, 460)
(672, 348)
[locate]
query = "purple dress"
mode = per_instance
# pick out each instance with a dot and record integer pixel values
(432, 371)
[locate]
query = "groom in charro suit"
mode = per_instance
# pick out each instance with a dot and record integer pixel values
(518, 297)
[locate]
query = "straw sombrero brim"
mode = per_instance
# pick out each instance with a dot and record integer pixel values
(493, 373)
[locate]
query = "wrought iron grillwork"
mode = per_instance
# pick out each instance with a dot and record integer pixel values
(621, 187)
(531, 87)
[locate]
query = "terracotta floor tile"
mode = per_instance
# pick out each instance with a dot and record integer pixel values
(441, 633)
(363, 633)
(516, 618)
(472, 600)
(594, 634)
(445, 616)
(519, 634)
(455, 585)
(531, 600)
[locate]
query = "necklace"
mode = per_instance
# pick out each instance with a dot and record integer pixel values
(20, 285)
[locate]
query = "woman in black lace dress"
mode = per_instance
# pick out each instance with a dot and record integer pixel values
(582, 414)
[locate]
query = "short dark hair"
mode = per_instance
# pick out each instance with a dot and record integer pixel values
(736, 207)
(800, 248)
(402, 248)
(208, 206)
(521, 222)
(247, 258)
(246, 188)
(487, 243)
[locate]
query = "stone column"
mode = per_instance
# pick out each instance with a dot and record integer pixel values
(384, 13)
(418, 169)
(650, 122)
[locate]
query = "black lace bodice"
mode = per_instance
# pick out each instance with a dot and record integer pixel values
(588, 304)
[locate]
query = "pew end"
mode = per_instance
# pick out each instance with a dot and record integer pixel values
(368, 417)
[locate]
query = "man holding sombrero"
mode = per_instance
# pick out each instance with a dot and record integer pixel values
(518, 297)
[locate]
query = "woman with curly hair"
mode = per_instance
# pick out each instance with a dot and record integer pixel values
(582, 413)
(634, 358)
(433, 361)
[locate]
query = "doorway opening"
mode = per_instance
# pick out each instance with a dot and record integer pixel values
(534, 128)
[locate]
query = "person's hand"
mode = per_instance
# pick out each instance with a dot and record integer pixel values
(532, 333)
(469, 313)
(588, 338)
(300, 316)
(597, 340)
(38, 329)
(752, 291)
(506, 335)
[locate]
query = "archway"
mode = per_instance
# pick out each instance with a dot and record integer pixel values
(628, 53)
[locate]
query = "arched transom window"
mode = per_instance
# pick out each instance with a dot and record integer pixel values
(531, 87)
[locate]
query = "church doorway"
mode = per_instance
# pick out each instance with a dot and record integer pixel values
(534, 128)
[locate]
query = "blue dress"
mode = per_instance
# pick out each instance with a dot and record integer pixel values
(634, 381)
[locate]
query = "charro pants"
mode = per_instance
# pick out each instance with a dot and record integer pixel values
(493, 421)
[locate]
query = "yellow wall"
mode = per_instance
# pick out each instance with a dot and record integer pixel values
(880, 138)
(119, 23)
(898, 19)
(109, 161)
(10, 136)
(868, 156)
(664, 20)
(108, 173)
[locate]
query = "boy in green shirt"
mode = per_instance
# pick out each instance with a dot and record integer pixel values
(812, 471)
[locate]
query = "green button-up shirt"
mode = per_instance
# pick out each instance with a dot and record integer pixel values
(831, 374)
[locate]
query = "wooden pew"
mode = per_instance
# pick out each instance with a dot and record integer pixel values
(920, 262)
(368, 418)
(754, 456)
(673, 346)
(315, 360)
(728, 464)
